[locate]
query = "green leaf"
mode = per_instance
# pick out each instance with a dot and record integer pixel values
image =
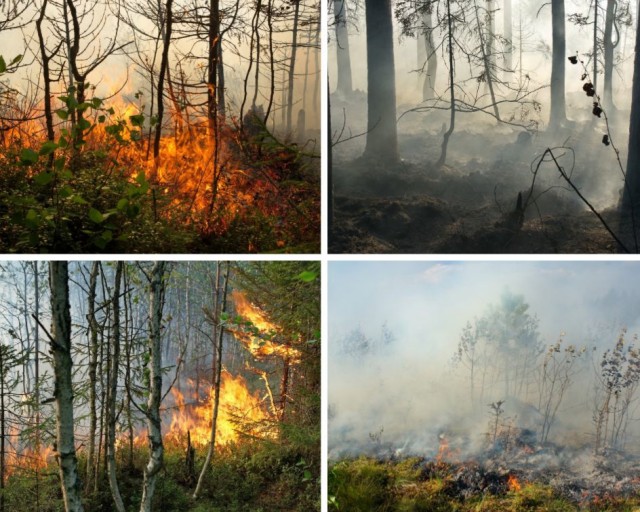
(58, 164)
(133, 211)
(141, 178)
(107, 235)
(96, 102)
(48, 147)
(28, 156)
(62, 114)
(83, 106)
(307, 276)
(135, 135)
(43, 178)
(83, 124)
(63, 142)
(137, 120)
(16, 60)
(95, 215)
(122, 204)
(79, 199)
(102, 119)
(3, 64)
(32, 215)
(65, 191)
(100, 242)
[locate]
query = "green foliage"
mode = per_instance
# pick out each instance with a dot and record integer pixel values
(253, 477)
(362, 485)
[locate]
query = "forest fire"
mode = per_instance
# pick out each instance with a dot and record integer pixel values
(260, 346)
(239, 410)
(513, 483)
(207, 186)
(27, 459)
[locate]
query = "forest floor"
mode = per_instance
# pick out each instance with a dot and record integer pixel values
(251, 477)
(466, 206)
(367, 484)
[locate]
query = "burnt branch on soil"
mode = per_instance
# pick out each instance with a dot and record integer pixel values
(569, 181)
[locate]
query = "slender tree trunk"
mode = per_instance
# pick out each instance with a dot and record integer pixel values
(343, 55)
(154, 426)
(212, 70)
(62, 362)
(284, 387)
(382, 134)
(292, 63)
(168, 24)
(609, 47)
(508, 39)
(429, 84)
(452, 95)
(93, 364)
(486, 47)
(558, 114)
(46, 76)
(329, 143)
(221, 305)
(113, 391)
(3, 431)
(595, 44)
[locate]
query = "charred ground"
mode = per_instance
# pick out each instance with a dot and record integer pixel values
(469, 205)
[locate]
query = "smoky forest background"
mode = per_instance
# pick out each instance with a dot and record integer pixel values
(159, 386)
(484, 386)
(483, 126)
(159, 127)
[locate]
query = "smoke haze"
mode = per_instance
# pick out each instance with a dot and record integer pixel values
(402, 391)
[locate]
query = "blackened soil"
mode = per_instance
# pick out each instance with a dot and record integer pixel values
(465, 207)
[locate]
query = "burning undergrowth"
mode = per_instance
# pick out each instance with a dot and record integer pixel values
(107, 188)
(524, 478)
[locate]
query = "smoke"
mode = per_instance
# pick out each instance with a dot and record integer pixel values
(394, 329)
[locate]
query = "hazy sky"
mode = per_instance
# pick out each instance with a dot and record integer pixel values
(431, 301)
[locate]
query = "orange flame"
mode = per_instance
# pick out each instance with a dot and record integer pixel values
(236, 403)
(443, 450)
(19, 458)
(260, 346)
(513, 484)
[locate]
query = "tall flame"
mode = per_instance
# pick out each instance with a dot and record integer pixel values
(260, 346)
(195, 416)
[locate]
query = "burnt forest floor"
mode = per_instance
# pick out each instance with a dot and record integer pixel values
(418, 484)
(467, 205)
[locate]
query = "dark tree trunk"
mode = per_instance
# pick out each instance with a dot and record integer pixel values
(558, 114)
(93, 364)
(114, 365)
(382, 135)
(631, 196)
(168, 24)
(292, 63)
(609, 47)
(343, 57)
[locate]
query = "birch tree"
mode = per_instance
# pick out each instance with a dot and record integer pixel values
(154, 426)
(60, 343)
